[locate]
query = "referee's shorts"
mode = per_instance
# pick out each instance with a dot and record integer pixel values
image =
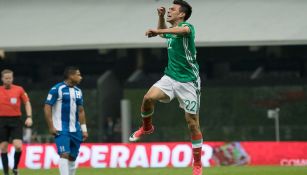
(10, 128)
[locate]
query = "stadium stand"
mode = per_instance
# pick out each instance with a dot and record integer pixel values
(96, 24)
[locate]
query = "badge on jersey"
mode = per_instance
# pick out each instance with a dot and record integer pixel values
(13, 101)
(78, 94)
(49, 97)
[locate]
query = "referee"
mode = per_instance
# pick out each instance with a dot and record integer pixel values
(11, 125)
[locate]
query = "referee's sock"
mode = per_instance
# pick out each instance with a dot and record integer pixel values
(17, 156)
(5, 163)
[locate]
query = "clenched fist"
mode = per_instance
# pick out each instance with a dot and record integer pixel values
(161, 11)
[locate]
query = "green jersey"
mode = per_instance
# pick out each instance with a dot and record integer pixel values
(182, 65)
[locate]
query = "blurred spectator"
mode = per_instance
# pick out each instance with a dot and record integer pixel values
(117, 130)
(108, 127)
(2, 54)
(27, 135)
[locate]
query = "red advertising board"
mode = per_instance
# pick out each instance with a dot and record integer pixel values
(179, 154)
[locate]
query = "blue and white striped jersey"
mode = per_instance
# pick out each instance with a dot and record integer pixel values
(65, 101)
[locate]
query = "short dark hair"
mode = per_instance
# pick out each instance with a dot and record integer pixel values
(185, 8)
(6, 71)
(70, 70)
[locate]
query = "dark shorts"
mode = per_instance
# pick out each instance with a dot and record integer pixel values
(10, 128)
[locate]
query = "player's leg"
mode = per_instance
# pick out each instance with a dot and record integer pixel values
(4, 138)
(147, 110)
(160, 91)
(76, 140)
(188, 95)
(16, 134)
(63, 164)
(72, 165)
(62, 142)
(196, 139)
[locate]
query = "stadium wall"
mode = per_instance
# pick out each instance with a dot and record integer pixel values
(175, 154)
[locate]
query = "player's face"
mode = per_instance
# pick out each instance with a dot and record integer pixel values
(7, 79)
(76, 78)
(174, 14)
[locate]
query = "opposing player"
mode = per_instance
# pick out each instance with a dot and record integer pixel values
(11, 97)
(181, 79)
(65, 117)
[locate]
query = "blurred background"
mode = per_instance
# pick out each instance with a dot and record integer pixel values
(252, 57)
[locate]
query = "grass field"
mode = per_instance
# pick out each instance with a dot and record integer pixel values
(259, 170)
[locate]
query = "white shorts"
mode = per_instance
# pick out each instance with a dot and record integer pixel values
(187, 94)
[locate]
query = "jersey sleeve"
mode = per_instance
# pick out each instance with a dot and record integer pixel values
(80, 100)
(24, 96)
(52, 96)
(191, 27)
(166, 36)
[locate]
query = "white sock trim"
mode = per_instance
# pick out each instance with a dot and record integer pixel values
(147, 115)
(72, 167)
(197, 145)
(63, 166)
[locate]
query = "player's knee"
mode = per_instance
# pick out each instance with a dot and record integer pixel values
(72, 158)
(148, 98)
(193, 127)
(65, 155)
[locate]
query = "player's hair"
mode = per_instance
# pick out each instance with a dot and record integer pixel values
(70, 70)
(6, 71)
(185, 8)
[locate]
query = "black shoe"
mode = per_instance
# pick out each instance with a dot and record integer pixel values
(15, 172)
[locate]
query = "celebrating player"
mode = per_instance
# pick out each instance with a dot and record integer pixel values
(65, 117)
(181, 79)
(11, 97)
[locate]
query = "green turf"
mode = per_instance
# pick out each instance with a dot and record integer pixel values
(259, 170)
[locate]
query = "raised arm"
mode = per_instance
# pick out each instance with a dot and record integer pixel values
(175, 30)
(82, 121)
(161, 21)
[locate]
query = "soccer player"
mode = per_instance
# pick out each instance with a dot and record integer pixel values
(65, 117)
(181, 79)
(11, 97)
